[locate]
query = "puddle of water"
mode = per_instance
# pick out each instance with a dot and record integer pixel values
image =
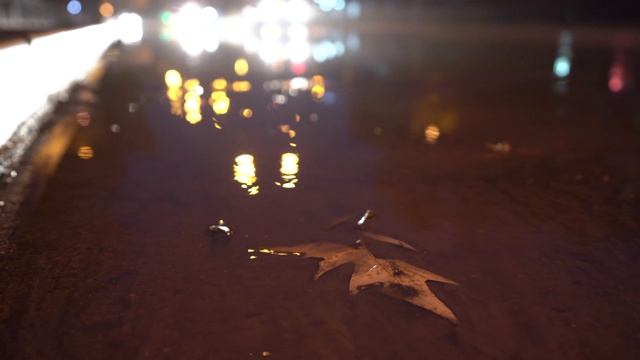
(514, 166)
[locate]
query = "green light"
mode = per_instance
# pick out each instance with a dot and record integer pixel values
(165, 16)
(165, 35)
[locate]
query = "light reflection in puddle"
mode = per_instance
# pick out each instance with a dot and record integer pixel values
(83, 118)
(192, 101)
(562, 63)
(244, 172)
(253, 253)
(85, 152)
(431, 134)
(619, 74)
(173, 79)
(283, 48)
(289, 170)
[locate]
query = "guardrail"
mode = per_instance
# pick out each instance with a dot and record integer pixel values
(37, 71)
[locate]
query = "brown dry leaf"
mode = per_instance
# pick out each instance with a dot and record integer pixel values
(395, 278)
(388, 240)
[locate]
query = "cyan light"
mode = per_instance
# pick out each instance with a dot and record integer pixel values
(562, 66)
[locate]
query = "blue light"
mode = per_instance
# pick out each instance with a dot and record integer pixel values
(74, 7)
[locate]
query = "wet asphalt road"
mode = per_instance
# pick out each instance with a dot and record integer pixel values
(521, 184)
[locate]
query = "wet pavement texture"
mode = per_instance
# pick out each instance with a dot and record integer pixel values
(520, 183)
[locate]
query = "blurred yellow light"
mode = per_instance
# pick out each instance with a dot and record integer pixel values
(176, 110)
(85, 152)
(244, 159)
(241, 66)
(191, 105)
(290, 158)
(221, 106)
(192, 96)
(241, 86)
(297, 118)
(317, 92)
(172, 78)
(174, 93)
(106, 9)
(219, 84)
(292, 133)
(191, 84)
(431, 134)
(246, 113)
(285, 128)
(317, 80)
(217, 95)
(193, 117)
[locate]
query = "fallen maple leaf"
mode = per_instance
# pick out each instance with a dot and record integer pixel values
(388, 240)
(395, 278)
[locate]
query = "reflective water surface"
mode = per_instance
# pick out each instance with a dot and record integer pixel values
(514, 161)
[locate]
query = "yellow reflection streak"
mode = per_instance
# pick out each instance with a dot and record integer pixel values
(173, 79)
(273, 252)
(85, 152)
(289, 170)
(431, 134)
(192, 101)
(244, 172)
(174, 93)
(241, 67)
(241, 86)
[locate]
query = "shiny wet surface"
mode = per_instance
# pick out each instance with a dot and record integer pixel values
(521, 184)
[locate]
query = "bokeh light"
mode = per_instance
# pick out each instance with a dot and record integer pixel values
(74, 7)
(106, 9)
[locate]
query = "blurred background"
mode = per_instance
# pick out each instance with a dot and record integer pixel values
(499, 136)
